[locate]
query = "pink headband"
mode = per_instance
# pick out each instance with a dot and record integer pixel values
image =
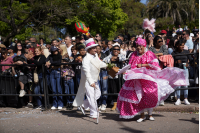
(141, 41)
(89, 44)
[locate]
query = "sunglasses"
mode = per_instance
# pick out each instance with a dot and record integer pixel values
(96, 36)
(19, 45)
(160, 41)
(150, 36)
(117, 49)
(183, 34)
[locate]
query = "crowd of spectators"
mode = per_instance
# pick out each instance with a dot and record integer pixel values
(167, 46)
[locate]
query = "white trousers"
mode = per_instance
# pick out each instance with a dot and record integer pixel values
(91, 100)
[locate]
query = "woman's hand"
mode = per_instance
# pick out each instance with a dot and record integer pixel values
(151, 43)
(47, 64)
(71, 58)
(139, 65)
(114, 58)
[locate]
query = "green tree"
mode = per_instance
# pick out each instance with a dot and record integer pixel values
(101, 16)
(136, 13)
(180, 11)
(17, 15)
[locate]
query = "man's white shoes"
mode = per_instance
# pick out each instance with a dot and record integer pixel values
(92, 116)
(82, 110)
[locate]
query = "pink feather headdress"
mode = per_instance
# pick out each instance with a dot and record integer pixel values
(150, 25)
(141, 41)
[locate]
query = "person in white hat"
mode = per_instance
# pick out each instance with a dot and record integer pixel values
(90, 70)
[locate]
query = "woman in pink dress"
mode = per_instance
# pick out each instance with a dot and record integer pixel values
(146, 84)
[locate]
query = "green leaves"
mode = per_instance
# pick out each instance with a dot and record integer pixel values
(110, 66)
(104, 16)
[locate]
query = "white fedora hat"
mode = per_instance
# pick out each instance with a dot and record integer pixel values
(90, 43)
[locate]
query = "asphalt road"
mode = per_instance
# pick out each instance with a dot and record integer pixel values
(34, 121)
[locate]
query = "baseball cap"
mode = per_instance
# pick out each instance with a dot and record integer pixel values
(163, 32)
(11, 47)
(118, 40)
(53, 48)
(28, 46)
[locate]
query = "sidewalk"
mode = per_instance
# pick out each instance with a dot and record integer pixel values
(168, 107)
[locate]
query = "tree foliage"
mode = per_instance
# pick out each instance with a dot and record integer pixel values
(135, 11)
(15, 15)
(101, 16)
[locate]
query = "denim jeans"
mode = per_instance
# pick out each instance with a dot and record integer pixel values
(103, 85)
(55, 80)
(69, 89)
(78, 78)
(178, 92)
(39, 90)
(170, 50)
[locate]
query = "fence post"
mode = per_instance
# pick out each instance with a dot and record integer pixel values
(44, 86)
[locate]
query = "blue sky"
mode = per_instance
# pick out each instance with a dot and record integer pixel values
(143, 1)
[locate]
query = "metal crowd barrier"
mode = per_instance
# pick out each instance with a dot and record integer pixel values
(9, 82)
(4, 89)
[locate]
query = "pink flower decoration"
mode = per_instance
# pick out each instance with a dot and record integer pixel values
(141, 41)
(149, 24)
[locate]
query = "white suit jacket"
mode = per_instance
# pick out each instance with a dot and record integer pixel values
(89, 73)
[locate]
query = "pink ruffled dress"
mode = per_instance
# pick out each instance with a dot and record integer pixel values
(145, 87)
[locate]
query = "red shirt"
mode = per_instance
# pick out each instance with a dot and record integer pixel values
(9, 60)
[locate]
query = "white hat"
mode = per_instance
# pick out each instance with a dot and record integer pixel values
(191, 34)
(90, 43)
(116, 44)
(73, 38)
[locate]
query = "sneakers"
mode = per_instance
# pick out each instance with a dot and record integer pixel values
(162, 103)
(141, 119)
(59, 107)
(39, 107)
(29, 105)
(178, 102)
(186, 102)
(103, 107)
(22, 93)
(53, 107)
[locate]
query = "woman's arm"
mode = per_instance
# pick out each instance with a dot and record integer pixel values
(41, 61)
(165, 50)
(142, 65)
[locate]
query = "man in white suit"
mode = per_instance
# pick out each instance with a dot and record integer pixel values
(90, 70)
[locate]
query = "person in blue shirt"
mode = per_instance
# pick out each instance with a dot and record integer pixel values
(189, 43)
